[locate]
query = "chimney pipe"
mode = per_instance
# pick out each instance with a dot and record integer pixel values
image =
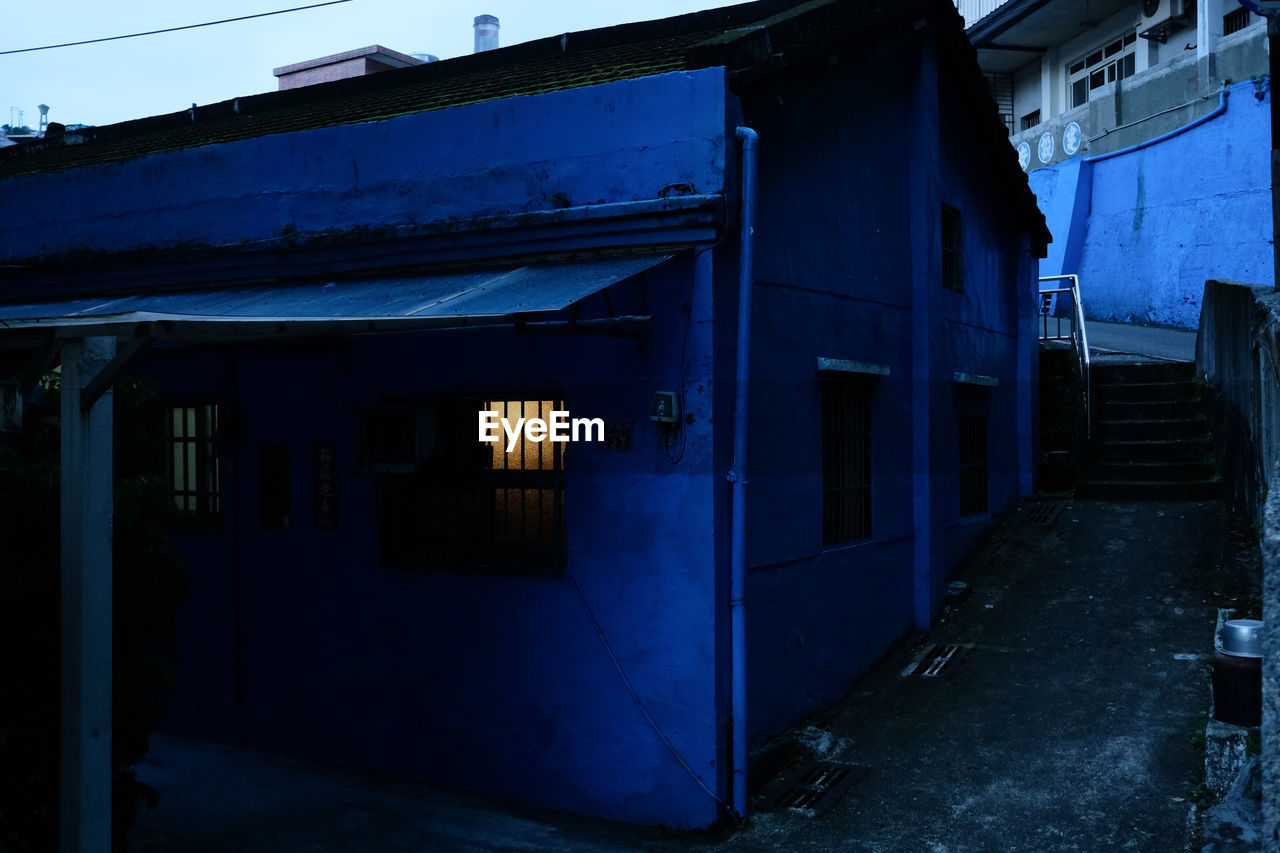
(486, 33)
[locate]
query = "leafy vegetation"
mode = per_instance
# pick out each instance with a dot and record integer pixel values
(149, 583)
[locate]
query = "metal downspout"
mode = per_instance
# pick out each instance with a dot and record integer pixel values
(738, 474)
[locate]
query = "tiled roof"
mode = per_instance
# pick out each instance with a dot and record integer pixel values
(561, 62)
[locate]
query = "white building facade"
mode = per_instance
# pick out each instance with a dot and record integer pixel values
(1121, 71)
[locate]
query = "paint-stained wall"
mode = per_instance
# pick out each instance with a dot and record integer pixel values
(1165, 218)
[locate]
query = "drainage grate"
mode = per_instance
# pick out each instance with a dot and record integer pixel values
(1043, 513)
(813, 788)
(937, 661)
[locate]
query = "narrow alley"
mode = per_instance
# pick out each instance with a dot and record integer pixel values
(1071, 720)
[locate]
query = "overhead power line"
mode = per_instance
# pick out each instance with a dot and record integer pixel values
(174, 29)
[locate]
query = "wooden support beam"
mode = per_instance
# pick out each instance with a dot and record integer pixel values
(130, 349)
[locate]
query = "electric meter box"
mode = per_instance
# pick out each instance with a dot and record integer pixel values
(666, 408)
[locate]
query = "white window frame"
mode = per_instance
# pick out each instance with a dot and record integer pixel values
(1099, 62)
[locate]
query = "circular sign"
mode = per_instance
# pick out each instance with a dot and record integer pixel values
(1045, 148)
(1024, 155)
(1071, 137)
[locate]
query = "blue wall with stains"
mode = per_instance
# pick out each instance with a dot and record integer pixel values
(484, 159)
(1165, 218)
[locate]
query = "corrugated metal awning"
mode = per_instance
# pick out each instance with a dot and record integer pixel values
(446, 300)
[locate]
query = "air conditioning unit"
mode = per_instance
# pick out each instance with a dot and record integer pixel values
(1163, 17)
(1154, 11)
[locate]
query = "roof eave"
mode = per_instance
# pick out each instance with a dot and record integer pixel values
(1002, 19)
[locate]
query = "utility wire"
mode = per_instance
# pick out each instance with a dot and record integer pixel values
(174, 29)
(635, 697)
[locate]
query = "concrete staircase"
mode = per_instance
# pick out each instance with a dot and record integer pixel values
(1151, 438)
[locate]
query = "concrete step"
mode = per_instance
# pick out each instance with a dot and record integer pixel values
(1145, 392)
(1200, 490)
(1150, 472)
(1140, 372)
(1162, 410)
(1172, 429)
(1188, 450)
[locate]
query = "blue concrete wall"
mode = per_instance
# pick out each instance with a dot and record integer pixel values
(978, 332)
(495, 684)
(835, 263)
(495, 157)
(831, 282)
(1063, 192)
(1164, 219)
(298, 640)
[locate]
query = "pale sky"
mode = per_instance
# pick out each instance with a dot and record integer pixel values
(119, 80)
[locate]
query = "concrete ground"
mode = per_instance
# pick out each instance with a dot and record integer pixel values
(1156, 341)
(1071, 724)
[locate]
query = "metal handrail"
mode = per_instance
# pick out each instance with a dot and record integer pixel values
(1079, 340)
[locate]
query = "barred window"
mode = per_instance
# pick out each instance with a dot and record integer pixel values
(846, 458)
(1235, 21)
(973, 465)
(448, 501)
(192, 433)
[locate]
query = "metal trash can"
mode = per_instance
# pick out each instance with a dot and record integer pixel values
(1237, 673)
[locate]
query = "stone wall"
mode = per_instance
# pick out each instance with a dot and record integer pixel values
(1237, 352)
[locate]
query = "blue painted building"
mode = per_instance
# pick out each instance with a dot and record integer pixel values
(331, 283)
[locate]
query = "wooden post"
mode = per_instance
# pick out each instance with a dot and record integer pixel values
(85, 781)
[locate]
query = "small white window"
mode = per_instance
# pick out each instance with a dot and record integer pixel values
(192, 436)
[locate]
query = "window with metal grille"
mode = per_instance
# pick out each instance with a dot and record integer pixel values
(1030, 120)
(1001, 88)
(952, 249)
(973, 465)
(192, 433)
(1235, 21)
(448, 501)
(846, 458)
(1108, 64)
